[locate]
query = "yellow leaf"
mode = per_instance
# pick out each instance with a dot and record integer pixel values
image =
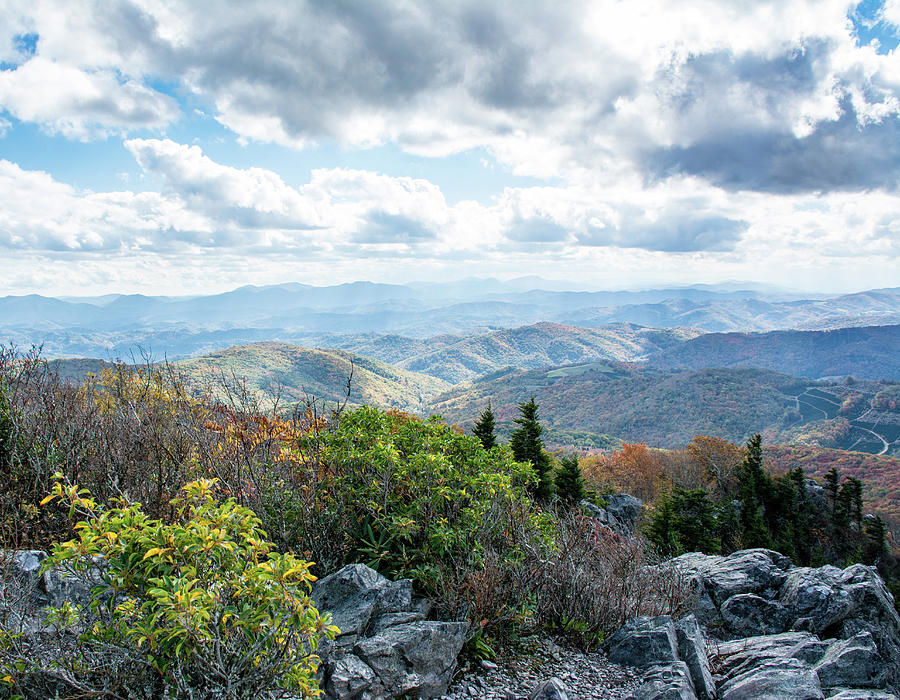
(153, 552)
(44, 502)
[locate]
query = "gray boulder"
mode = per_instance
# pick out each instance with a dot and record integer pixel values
(852, 663)
(757, 571)
(603, 516)
(386, 647)
(666, 682)
(692, 650)
(350, 677)
(627, 509)
(860, 694)
(355, 594)
(735, 657)
(621, 514)
(644, 641)
(774, 679)
(27, 593)
(552, 689)
(416, 658)
(747, 614)
(840, 604)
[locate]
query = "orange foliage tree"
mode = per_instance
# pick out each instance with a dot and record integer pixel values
(634, 469)
(719, 459)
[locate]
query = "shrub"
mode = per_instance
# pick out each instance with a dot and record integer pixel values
(415, 498)
(416, 495)
(198, 608)
(591, 581)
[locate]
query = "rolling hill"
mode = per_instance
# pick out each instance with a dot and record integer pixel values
(871, 352)
(662, 408)
(298, 373)
(542, 345)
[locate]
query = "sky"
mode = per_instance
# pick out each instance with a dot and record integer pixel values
(193, 147)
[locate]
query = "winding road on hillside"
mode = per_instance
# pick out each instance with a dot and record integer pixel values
(855, 424)
(883, 449)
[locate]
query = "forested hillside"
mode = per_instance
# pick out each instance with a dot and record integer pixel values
(543, 345)
(662, 408)
(871, 352)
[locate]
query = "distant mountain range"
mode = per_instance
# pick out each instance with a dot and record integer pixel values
(664, 401)
(538, 345)
(661, 408)
(667, 408)
(866, 352)
(121, 325)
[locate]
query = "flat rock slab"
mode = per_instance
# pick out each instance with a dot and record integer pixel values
(778, 679)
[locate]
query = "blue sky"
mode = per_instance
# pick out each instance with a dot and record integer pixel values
(168, 147)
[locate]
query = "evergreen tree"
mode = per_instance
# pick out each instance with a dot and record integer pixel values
(875, 544)
(728, 526)
(684, 521)
(484, 428)
(832, 479)
(660, 529)
(753, 483)
(528, 447)
(569, 484)
(781, 515)
(803, 520)
(856, 502)
(694, 521)
(843, 507)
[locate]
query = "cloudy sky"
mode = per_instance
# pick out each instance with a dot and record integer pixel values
(169, 147)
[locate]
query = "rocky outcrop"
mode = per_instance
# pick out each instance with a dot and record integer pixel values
(692, 650)
(644, 641)
(386, 647)
(621, 514)
(763, 628)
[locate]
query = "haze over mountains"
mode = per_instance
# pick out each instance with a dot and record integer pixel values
(642, 365)
(117, 325)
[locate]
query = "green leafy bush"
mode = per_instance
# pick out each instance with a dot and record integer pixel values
(417, 495)
(418, 499)
(200, 607)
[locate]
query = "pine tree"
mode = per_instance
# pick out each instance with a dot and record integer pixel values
(832, 479)
(875, 544)
(528, 447)
(694, 521)
(484, 428)
(856, 502)
(802, 523)
(569, 484)
(843, 507)
(753, 483)
(660, 529)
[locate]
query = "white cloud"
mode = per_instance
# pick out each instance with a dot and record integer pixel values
(354, 219)
(253, 198)
(551, 89)
(81, 104)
